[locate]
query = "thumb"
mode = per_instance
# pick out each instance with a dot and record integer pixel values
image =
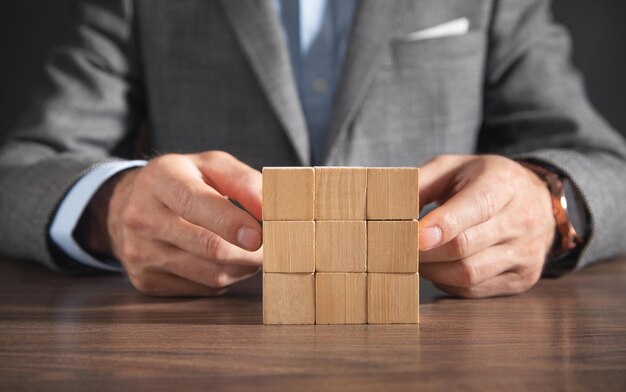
(234, 179)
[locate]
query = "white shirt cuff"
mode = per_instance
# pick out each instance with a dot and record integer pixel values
(72, 207)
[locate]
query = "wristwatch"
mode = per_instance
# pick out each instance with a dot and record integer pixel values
(569, 212)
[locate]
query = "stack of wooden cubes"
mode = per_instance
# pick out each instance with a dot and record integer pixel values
(340, 245)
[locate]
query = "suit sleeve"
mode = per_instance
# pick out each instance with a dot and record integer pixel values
(86, 112)
(535, 108)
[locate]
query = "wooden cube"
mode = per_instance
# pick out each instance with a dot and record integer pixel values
(288, 193)
(340, 246)
(289, 246)
(393, 193)
(289, 299)
(340, 298)
(392, 298)
(340, 193)
(393, 246)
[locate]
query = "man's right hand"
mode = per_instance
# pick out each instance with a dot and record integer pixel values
(173, 227)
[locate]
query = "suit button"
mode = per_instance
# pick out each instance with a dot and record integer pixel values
(320, 85)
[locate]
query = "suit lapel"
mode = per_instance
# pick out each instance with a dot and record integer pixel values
(259, 32)
(375, 21)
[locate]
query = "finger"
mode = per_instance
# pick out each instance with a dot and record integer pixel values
(201, 271)
(167, 285)
(474, 204)
(206, 245)
(436, 177)
(473, 270)
(234, 179)
(507, 283)
(188, 196)
(471, 241)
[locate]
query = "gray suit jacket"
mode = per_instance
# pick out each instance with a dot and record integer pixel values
(190, 75)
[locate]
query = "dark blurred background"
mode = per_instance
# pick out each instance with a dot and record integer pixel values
(28, 27)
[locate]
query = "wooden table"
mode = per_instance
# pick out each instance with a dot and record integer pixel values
(97, 333)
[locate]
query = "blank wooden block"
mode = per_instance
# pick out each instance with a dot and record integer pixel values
(289, 246)
(288, 299)
(340, 246)
(392, 298)
(288, 193)
(340, 298)
(393, 193)
(340, 193)
(393, 246)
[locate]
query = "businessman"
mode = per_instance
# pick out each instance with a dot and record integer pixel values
(526, 177)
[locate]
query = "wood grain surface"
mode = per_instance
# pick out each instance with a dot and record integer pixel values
(393, 193)
(393, 246)
(289, 246)
(340, 298)
(340, 246)
(288, 193)
(393, 298)
(340, 193)
(288, 298)
(98, 334)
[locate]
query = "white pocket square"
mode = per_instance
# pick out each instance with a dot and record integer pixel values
(454, 27)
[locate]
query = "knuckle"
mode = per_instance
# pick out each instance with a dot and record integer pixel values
(217, 155)
(144, 284)
(219, 278)
(524, 280)
(486, 203)
(133, 218)
(213, 245)
(186, 201)
(460, 245)
(160, 164)
(469, 274)
(131, 253)
(529, 278)
(449, 225)
(224, 225)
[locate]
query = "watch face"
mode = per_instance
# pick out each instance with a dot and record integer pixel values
(575, 209)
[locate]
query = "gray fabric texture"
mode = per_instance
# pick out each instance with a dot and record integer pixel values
(196, 75)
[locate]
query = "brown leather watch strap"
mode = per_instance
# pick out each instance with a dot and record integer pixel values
(567, 239)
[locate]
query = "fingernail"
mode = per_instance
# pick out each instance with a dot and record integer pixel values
(430, 237)
(249, 238)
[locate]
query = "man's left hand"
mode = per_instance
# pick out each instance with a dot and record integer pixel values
(492, 230)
